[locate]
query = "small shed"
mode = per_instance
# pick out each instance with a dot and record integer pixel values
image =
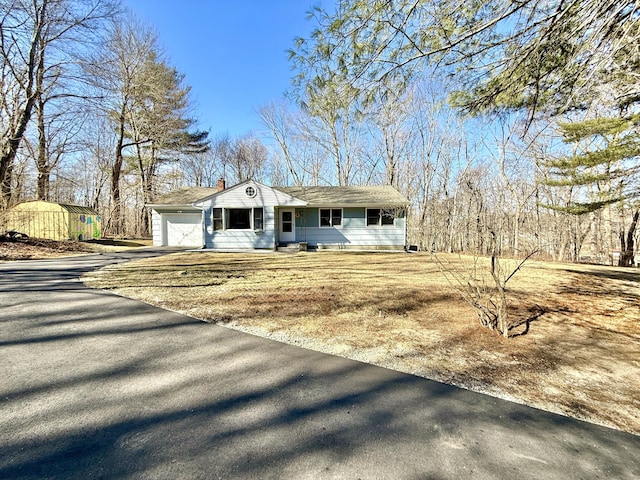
(54, 221)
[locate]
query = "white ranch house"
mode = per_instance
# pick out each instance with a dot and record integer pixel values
(251, 215)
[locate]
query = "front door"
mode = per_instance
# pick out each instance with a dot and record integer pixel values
(287, 225)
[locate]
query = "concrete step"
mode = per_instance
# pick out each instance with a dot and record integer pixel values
(292, 247)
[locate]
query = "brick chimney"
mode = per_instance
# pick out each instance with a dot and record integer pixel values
(221, 184)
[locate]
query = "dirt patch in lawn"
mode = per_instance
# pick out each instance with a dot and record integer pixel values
(39, 248)
(581, 356)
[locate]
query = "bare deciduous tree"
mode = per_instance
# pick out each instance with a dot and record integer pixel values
(115, 71)
(38, 40)
(484, 287)
(279, 121)
(247, 158)
(303, 159)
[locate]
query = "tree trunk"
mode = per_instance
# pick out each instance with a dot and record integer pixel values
(11, 143)
(10, 147)
(6, 174)
(501, 310)
(117, 223)
(627, 245)
(42, 163)
(146, 182)
(116, 208)
(392, 167)
(43, 184)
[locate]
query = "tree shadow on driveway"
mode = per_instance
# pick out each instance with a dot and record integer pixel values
(98, 386)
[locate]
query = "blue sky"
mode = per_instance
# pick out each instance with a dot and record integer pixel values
(233, 53)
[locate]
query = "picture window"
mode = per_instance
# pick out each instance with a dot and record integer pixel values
(237, 219)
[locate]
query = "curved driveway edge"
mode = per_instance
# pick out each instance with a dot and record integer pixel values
(94, 385)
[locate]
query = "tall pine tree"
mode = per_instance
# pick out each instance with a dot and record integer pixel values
(606, 167)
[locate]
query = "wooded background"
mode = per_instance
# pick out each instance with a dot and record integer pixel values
(92, 114)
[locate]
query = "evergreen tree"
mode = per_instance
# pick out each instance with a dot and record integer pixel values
(524, 55)
(606, 159)
(605, 166)
(158, 125)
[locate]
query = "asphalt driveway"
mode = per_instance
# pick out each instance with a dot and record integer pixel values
(97, 386)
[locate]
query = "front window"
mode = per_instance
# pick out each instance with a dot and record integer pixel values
(217, 219)
(379, 217)
(373, 216)
(257, 218)
(330, 217)
(237, 218)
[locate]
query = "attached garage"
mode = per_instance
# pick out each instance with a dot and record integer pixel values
(183, 229)
(176, 222)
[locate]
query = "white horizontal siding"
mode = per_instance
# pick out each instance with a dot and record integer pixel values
(241, 239)
(156, 228)
(353, 233)
(235, 197)
(354, 236)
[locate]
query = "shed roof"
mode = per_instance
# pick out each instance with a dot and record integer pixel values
(42, 205)
(78, 209)
(384, 195)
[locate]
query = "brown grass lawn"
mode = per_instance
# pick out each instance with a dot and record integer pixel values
(581, 357)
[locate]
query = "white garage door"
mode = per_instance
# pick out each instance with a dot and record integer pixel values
(184, 230)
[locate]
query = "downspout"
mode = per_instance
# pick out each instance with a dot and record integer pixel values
(406, 228)
(204, 227)
(276, 227)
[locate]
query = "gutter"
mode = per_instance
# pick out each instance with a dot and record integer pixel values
(172, 205)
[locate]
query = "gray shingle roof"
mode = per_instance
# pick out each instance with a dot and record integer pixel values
(327, 196)
(314, 196)
(184, 196)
